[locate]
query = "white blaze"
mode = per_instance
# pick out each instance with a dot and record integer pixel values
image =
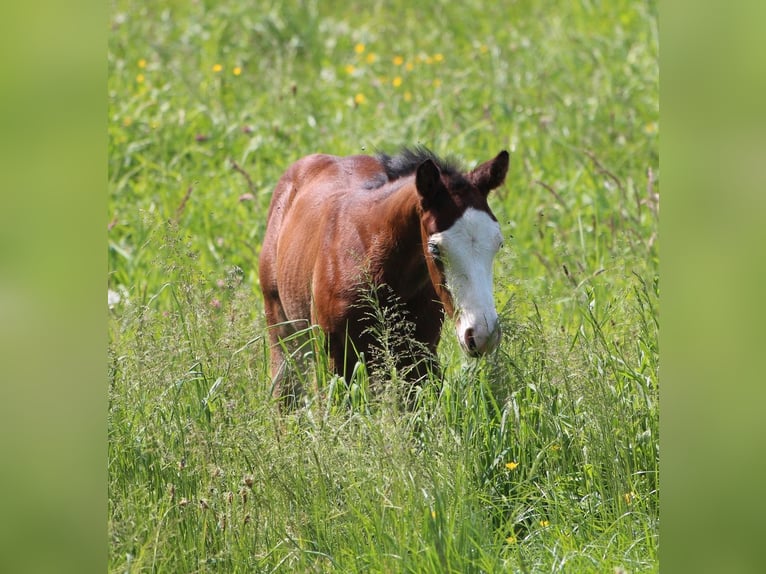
(466, 251)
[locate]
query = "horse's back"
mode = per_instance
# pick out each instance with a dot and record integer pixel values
(305, 210)
(291, 184)
(313, 173)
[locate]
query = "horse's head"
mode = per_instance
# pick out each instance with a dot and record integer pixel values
(461, 237)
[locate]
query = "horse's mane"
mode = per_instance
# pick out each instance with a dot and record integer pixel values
(408, 159)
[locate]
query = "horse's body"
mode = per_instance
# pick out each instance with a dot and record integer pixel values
(338, 226)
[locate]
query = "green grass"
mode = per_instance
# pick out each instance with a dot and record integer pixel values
(540, 458)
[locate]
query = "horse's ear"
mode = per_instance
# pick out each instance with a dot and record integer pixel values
(490, 174)
(428, 181)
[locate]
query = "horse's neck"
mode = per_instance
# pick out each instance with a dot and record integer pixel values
(400, 206)
(398, 251)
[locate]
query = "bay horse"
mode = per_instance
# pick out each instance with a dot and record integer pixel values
(412, 222)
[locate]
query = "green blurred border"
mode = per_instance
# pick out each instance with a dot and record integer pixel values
(713, 165)
(52, 265)
(52, 287)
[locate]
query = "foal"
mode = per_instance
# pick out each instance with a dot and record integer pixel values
(412, 223)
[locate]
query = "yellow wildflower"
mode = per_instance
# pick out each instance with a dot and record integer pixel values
(140, 78)
(511, 465)
(407, 96)
(142, 63)
(511, 540)
(359, 48)
(359, 99)
(437, 83)
(398, 60)
(371, 58)
(126, 121)
(237, 70)
(409, 66)
(544, 523)
(483, 49)
(217, 68)
(397, 81)
(433, 514)
(350, 69)
(438, 57)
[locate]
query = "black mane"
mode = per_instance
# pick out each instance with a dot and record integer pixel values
(409, 158)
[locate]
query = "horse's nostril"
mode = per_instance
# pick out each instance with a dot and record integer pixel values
(469, 340)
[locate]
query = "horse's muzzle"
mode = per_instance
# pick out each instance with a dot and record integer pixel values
(476, 343)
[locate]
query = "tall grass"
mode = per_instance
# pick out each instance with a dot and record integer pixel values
(540, 458)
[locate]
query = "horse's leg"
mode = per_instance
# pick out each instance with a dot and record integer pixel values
(343, 354)
(283, 386)
(287, 343)
(419, 360)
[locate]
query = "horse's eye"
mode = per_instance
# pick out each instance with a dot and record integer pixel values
(434, 250)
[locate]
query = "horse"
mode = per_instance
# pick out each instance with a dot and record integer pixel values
(412, 226)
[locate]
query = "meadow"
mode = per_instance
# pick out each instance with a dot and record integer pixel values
(544, 456)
